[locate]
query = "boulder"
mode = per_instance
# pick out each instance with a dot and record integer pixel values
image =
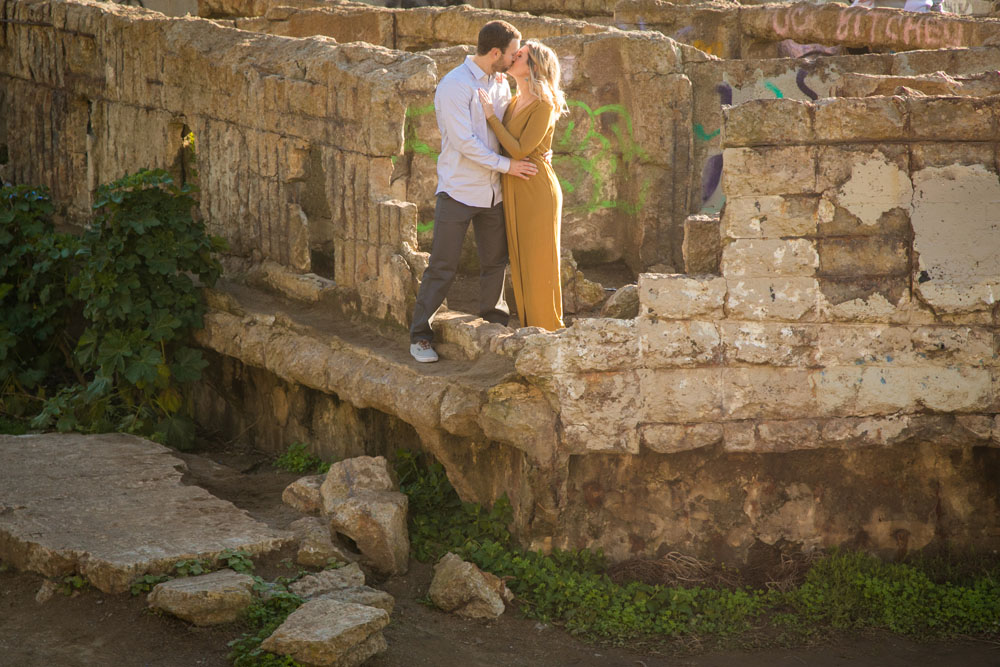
(330, 632)
(208, 599)
(361, 473)
(304, 494)
(314, 585)
(623, 304)
(316, 545)
(370, 597)
(376, 521)
(462, 588)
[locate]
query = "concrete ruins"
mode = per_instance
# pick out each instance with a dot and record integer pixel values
(816, 359)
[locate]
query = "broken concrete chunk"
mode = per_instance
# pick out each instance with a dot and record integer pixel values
(330, 632)
(361, 473)
(317, 547)
(376, 521)
(370, 597)
(326, 581)
(462, 588)
(304, 494)
(208, 599)
(623, 304)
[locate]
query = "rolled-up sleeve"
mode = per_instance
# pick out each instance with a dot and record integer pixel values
(454, 120)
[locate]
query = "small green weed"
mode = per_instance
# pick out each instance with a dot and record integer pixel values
(71, 584)
(146, 583)
(841, 590)
(237, 561)
(192, 567)
(298, 459)
(264, 616)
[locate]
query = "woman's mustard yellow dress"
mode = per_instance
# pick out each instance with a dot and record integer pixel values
(532, 211)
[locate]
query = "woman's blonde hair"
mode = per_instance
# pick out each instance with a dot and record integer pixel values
(543, 76)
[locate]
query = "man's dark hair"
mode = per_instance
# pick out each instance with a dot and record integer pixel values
(496, 34)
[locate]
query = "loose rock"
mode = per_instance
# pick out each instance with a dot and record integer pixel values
(327, 581)
(376, 521)
(316, 545)
(361, 473)
(462, 588)
(330, 632)
(304, 494)
(208, 599)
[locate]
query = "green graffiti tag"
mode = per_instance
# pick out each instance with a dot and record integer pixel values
(774, 89)
(591, 166)
(700, 132)
(412, 143)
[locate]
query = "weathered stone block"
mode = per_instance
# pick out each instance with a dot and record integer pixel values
(462, 588)
(778, 344)
(772, 298)
(767, 393)
(681, 395)
(681, 297)
(758, 258)
(879, 175)
(376, 521)
(665, 343)
(330, 632)
(520, 414)
(599, 411)
(790, 170)
(208, 599)
(953, 119)
(591, 344)
(702, 244)
(767, 123)
(872, 255)
(840, 222)
(861, 119)
(770, 216)
(942, 154)
(303, 494)
(670, 438)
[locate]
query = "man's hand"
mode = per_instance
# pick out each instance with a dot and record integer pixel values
(522, 169)
(547, 156)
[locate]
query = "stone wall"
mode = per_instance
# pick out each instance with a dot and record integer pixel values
(730, 31)
(295, 139)
(623, 153)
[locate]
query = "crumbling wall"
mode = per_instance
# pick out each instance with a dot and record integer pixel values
(857, 308)
(294, 140)
(731, 31)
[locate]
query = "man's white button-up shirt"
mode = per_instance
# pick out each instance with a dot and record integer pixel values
(470, 163)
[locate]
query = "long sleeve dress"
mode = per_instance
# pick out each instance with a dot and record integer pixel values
(532, 212)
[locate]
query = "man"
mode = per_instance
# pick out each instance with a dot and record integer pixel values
(468, 189)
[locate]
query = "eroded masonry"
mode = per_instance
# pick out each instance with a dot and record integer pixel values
(805, 199)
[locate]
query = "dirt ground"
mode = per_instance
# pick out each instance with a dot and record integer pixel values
(93, 628)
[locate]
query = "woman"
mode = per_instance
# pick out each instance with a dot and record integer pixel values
(532, 207)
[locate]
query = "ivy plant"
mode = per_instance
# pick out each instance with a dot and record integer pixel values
(36, 264)
(140, 264)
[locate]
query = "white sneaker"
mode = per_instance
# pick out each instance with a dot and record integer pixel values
(423, 352)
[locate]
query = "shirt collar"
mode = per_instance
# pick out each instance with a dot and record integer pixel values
(474, 68)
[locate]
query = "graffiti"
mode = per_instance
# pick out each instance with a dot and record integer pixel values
(909, 30)
(412, 143)
(711, 172)
(701, 134)
(588, 168)
(800, 81)
(774, 89)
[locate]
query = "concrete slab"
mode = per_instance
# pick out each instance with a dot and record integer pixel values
(111, 507)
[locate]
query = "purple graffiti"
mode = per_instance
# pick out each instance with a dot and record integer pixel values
(711, 175)
(800, 80)
(725, 92)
